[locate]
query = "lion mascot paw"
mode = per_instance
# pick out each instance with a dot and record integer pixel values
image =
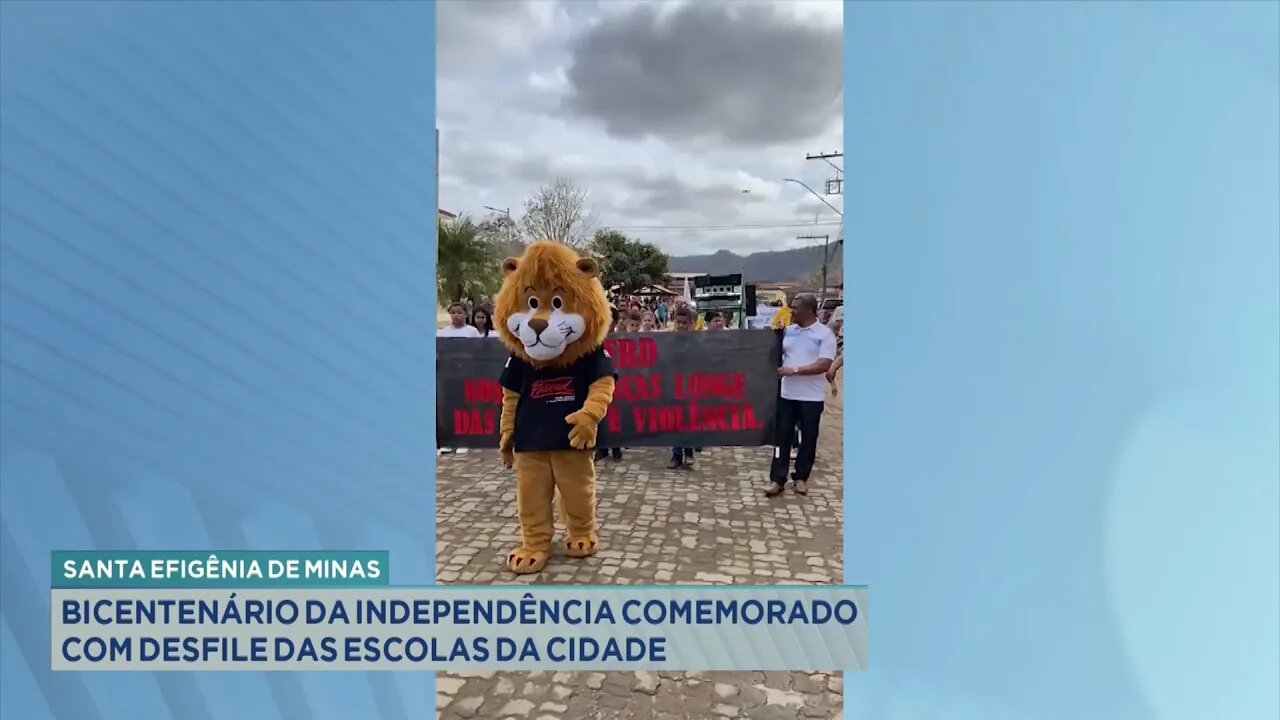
(552, 313)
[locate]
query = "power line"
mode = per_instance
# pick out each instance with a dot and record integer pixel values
(735, 226)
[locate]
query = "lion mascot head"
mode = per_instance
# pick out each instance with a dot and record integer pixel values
(551, 309)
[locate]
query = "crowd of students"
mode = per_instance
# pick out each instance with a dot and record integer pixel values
(639, 318)
(812, 352)
(468, 322)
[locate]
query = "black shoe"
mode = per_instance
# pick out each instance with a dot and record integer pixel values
(601, 453)
(697, 449)
(617, 453)
(675, 463)
(688, 463)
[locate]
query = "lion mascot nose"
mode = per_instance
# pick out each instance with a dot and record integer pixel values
(538, 325)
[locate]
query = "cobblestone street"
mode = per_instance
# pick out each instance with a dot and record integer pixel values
(709, 525)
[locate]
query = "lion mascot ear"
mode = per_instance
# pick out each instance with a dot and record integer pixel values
(588, 267)
(509, 265)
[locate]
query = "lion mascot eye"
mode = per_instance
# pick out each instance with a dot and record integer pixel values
(533, 303)
(557, 302)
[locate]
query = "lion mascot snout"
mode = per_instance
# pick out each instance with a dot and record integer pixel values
(552, 313)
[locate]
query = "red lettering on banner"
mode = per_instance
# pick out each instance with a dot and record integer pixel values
(481, 390)
(669, 391)
(694, 417)
(474, 421)
(632, 352)
(634, 388)
(709, 385)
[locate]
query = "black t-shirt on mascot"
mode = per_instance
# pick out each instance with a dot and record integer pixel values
(548, 395)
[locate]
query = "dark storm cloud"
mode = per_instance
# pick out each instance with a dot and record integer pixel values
(743, 72)
(478, 33)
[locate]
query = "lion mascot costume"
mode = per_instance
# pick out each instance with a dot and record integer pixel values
(557, 385)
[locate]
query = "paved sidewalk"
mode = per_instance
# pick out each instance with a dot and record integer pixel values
(711, 525)
(640, 696)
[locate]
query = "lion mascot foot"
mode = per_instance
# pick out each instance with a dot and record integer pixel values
(580, 547)
(526, 562)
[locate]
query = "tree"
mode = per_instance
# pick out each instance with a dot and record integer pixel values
(558, 212)
(626, 263)
(815, 279)
(503, 232)
(468, 263)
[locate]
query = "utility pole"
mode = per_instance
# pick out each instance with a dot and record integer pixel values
(835, 186)
(826, 258)
(507, 227)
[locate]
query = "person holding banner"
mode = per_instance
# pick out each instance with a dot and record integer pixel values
(682, 457)
(808, 350)
(457, 328)
(615, 327)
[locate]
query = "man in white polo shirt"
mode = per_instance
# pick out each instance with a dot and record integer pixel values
(808, 349)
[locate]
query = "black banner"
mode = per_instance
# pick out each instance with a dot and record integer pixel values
(686, 389)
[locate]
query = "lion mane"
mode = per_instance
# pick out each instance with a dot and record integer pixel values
(551, 271)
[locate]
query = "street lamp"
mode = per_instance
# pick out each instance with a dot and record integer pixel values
(815, 194)
(506, 228)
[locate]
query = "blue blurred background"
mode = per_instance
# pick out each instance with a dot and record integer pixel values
(216, 301)
(1063, 349)
(216, 311)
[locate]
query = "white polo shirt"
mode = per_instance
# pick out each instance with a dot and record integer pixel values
(466, 331)
(801, 347)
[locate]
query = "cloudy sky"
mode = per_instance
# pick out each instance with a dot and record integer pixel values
(664, 112)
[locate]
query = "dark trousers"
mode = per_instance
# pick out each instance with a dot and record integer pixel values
(681, 454)
(792, 414)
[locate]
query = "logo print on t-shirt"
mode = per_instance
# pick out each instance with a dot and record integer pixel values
(553, 390)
